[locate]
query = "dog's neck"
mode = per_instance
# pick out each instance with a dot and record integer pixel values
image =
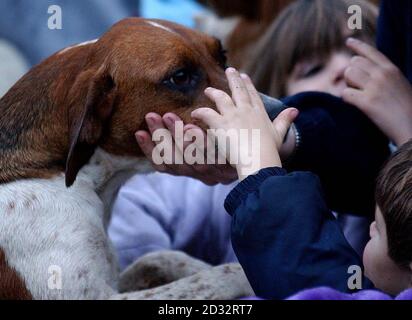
(107, 173)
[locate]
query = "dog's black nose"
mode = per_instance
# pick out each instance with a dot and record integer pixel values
(273, 106)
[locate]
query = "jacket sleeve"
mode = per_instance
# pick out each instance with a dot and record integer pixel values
(285, 237)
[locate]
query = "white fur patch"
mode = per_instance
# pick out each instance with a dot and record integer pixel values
(45, 227)
(78, 45)
(158, 25)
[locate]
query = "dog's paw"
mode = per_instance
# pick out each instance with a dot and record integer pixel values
(225, 282)
(159, 268)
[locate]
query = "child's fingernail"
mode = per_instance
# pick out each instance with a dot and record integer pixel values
(189, 127)
(139, 138)
(168, 121)
(231, 70)
(244, 76)
(150, 121)
(352, 40)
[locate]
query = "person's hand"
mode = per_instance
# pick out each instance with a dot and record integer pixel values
(245, 111)
(378, 88)
(208, 174)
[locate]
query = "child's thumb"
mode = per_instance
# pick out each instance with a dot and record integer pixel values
(284, 120)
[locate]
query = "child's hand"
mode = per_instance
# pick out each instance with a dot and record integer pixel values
(245, 110)
(208, 174)
(378, 88)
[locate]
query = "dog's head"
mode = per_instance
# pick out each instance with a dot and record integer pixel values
(138, 66)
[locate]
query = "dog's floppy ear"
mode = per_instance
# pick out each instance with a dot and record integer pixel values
(92, 102)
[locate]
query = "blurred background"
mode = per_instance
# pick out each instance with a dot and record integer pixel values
(25, 38)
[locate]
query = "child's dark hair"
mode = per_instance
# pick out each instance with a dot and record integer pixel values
(394, 198)
(306, 29)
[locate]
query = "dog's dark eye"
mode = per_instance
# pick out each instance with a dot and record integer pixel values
(181, 78)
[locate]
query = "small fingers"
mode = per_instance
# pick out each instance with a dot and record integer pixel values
(354, 97)
(145, 142)
(208, 116)
(356, 78)
(362, 63)
(255, 98)
(284, 120)
(175, 125)
(170, 119)
(154, 122)
(222, 100)
(240, 93)
(191, 128)
(147, 145)
(363, 49)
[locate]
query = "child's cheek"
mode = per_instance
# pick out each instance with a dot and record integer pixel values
(368, 259)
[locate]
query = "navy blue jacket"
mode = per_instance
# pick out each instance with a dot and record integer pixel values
(395, 33)
(285, 237)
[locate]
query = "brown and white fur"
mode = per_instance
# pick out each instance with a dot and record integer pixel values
(66, 146)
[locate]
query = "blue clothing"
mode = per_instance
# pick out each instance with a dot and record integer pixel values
(25, 23)
(285, 237)
(331, 294)
(163, 212)
(395, 34)
(179, 11)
